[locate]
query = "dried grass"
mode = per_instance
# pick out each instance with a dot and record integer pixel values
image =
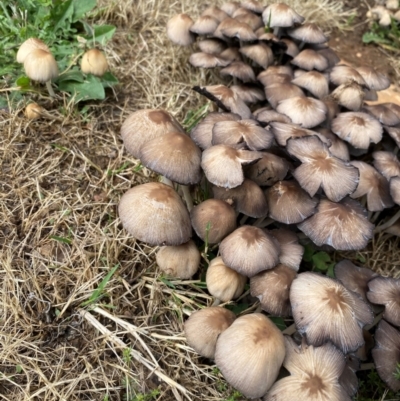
(60, 236)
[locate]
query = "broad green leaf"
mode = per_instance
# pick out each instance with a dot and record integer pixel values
(237, 308)
(279, 322)
(100, 33)
(62, 12)
(23, 82)
(370, 37)
(73, 75)
(109, 80)
(321, 261)
(90, 89)
(81, 7)
(308, 253)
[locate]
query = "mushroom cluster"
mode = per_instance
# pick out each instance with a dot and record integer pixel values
(384, 12)
(294, 148)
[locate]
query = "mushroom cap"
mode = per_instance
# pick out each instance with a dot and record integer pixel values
(308, 33)
(342, 225)
(33, 111)
(178, 30)
(265, 115)
(233, 28)
(253, 5)
(215, 12)
(349, 95)
(394, 133)
(272, 288)
(338, 147)
(231, 54)
(94, 62)
(213, 220)
(205, 25)
(309, 59)
(173, 155)
(284, 131)
(204, 326)
(40, 66)
(395, 189)
(249, 250)
(181, 261)
(223, 282)
(373, 78)
(230, 7)
(343, 74)
(281, 15)
(240, 70)
(354, 278)
(288, 203)
(357, 128)
(319, 169)
(315, 82)
(386, 291)
(249, 94)
(144, 125)
(260, 53)
(222, 165)
(314, 374)
(387, 164)
(374, 185)
(212, 46)
(154, 213)
(324, 310)
(248, 17)
(292, 49)
(348, 379)
(250, 353)
(386, 354)
(291, 251)
(204, 60)
(330, 56)
(278, 92)
(29, 45)
(383, 114)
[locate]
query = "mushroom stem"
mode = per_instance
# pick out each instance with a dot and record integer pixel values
(301, 45)
(263, 222)
(366, 366)
(277, 31)
(243, 219)
(290, 330)
(166, 181)
(377, 319)
(216, 302)
(187, 196)
(50, 89)
(389, 223)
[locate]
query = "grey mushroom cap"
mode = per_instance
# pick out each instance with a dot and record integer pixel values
(387, 163)
(315, 82)
(249, 94)
(212, 46)
(154, 213)
(204, 60)
(309, 59)
(394, 185)
(281, 15)
(373, 78)
(215, 12)
(178, 30)
(276, 93)
(337, 147)
(343, 74)
(291, 251)
(205, 25)
(308, 33)
(350, 95)
(348, 379)
(259, 53)
(240, 70)
(383, 114)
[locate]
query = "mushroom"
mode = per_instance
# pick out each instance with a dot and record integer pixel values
(266, 115)
(29, 45)
(232, 28)
(252, 5)
(348, 379)
(315, 82)
(240, 70)
(395, 189)
(309, 59)
(205, 25)
(33, 111)
(203, 328)
(308, 33)
(343, 74)
(349, 95)
(178, 30)
(212, 46)
(374, 79)
(251, 19)
(249, 93)
(260, 53)
(204, 60)
(337, 147)
(94, 62)
(278, 92)
(250, 353)
(284, 131)
(387, 164)
(291, 251)
(383, 114)
(215, 12)
(230, 7)
(280, 15)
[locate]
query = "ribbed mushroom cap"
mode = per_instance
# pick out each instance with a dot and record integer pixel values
(348, 379)
(252, 5)
(181, 261)
(29, 45)
(288, 203)
(374, 79)
(308, 33)
(330, 56)
(374, 185)
(387, 164)
(250, 250)
(250, 354)
(232, 54)
(277, 92)
(232, 28)
(154, 213)
(315, 82)
(292, 49)
(223, 282)
(393, 107)
(383, 114)
(394, 133)
(359, 129)
(212, 46)
(259, 53)
(394, 185)
(228, 99)
(338, 148)
(283, 132)
(309, 59)
(144, 125)
(213, 220)
(349, 95)
(273, 79)
(314, 374)
(343, 74)
(240, 70)
(202, 132)
(204, 326)
(173, 155)
(319, 169)
(277, 69)
(394, 229)
(248, 17)
(386, 291)
(305, 111)
(230, 7)
(222, 165)
(94, 62)
(281, 15)
(33, 111)
(266, 116)
(268, 170)
(342, 225)
(386, 354)
(242, 134)
(247, 198)
(272, 287)
(204, 60)
(324, 311)
(205, 25)
(333, 109)
(249, 94)
(291, 251)
(40, 66)
(354, 278)
(215, 12)
(178, 30)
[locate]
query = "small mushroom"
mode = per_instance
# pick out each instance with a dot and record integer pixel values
(29, 45)
(291, 251)
(178, 30)
(94, 62)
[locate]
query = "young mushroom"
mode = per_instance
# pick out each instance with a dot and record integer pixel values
(94, 62)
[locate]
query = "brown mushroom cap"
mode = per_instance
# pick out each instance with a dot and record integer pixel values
(240, 70)
(272, 287)
(181, 261)
(386, 291)
(357, 128)
(213, 220)
(276, 93)
(350, 95)
(231, 54)
(319, 169)
(266, 115)
(324, 311)
(330, 56)
(248, 17)
(230, 7)
(40, 66)
(374, 79)
(249, 94)
(281, 15)
(204, 326)
(309, 59)
(29, 45)
(268, 79)
(250, 354)
(343, 74)
(145, 125)
(342, 225)
(291, 251)
(315, 82)
(154, 213)
(205, 25)
(215, 12)
(387, 164)
(288, 203)
(232, 28)
(178, 30)
(252, 5)
(223, 282)
(204, 60)
(386, 354)
(259, 53)
(314, 374)
(94, 62)
(394, 133)
(33, 111)
(374, 185)
(212, 46)
(308, 33)
(250, 250)
(284, 131)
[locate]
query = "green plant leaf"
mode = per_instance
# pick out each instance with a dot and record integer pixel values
(237, 308)
(279, 322)
(371, 37)
(23, 82)
(100, 33)
(62, 12)
(90, 89)
(321, 260)
(73, 75)
(308, 253)
(109, 80)
(81, 7)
